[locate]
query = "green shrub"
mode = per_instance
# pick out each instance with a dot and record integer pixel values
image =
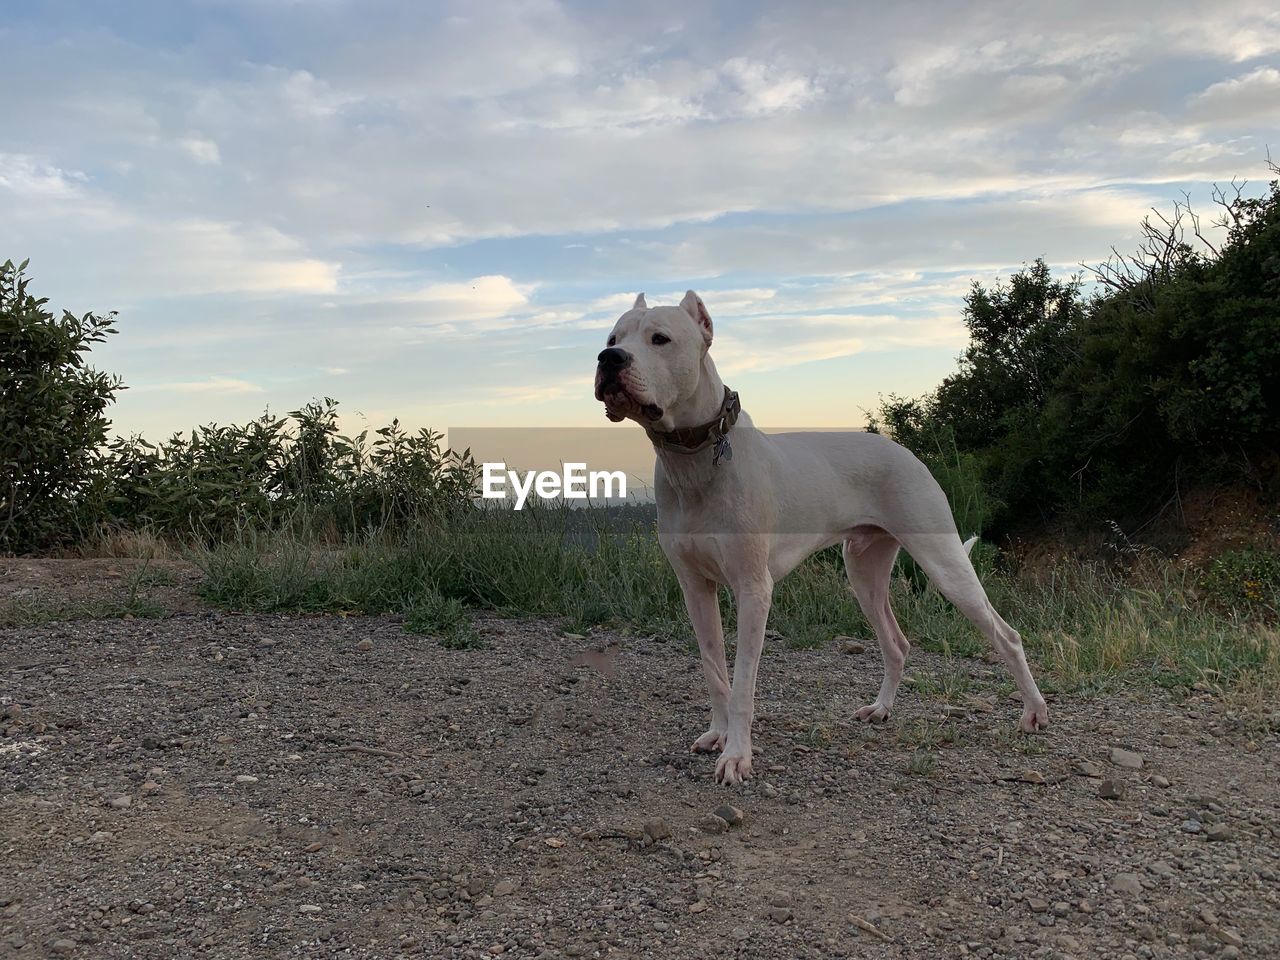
(1248, 579)
(52, 418)
(1103, 407)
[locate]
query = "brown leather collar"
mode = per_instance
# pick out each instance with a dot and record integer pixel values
(713, 432)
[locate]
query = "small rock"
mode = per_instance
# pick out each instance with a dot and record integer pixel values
(1229, 937)
(1218, 831)
(1031, 776)
(656, 829)
(365, 645)
(1125, 758)
(308, 908)
(120, 803)
(769, 790)
(1191, 826)
(504, 888)
(713, 823)
(729, 814)
(1126, 883)
(246, 778)
(848, 645)
(1087, 768)
(780, 914)
(150, 787)
(1169, 740)
(64, 946)
(1161, 782)
(953, 712)
(1036, 905)
(1111, 790)
(698, 906)
(100, 836)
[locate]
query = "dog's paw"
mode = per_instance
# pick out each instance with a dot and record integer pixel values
(709, 742)
(873, 713)
(1034, 718)
(734, 766)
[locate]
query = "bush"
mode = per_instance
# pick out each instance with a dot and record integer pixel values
(1244, 579)
(1100, 408)
(52, 418)
(275, 472)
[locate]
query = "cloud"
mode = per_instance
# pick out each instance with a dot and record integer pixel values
(201, 149)
(418, 192)
(1253, 97)
(215, 385)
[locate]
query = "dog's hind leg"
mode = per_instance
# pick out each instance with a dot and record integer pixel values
(946, 562)
(868, 560)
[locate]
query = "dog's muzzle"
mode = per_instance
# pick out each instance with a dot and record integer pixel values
(612, 391)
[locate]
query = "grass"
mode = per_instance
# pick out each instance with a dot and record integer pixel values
(1085, 627)
(34, 611)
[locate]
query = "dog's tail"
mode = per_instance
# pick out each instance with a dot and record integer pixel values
(968, 544)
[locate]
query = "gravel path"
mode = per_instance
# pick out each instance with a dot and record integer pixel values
(215, 785)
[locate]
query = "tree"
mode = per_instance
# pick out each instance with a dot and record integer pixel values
(52, 417)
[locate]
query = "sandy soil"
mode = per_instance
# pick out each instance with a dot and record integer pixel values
(219, 785)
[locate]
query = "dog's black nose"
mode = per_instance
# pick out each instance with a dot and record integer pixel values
(614, 357)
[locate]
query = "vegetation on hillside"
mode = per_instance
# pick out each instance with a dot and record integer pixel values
(1109, 406)
(1068, 405)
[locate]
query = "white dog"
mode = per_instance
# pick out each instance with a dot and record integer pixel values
(740, 508)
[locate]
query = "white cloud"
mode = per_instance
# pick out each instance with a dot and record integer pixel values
(1254, 97)
(201, 150)
(215, 385)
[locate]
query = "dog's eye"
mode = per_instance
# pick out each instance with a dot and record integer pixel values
(612, 341)
(658, 339)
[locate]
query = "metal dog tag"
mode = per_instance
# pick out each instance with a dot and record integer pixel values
(722, 451)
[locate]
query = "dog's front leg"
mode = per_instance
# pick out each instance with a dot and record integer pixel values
(753, 600)
(704, 612)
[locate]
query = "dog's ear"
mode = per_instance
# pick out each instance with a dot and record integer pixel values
(694, 306)
(640, 304)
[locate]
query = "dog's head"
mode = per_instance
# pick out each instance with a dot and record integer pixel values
(653, 359)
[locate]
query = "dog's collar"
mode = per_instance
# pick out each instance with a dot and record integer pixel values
(714, 432)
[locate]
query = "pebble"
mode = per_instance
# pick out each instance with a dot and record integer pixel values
(1087, 768)
(1191, 826)
(780, 914)
(365, 644)
(1125, 758)
(120, 803)
(1111, 790)
(308, 908)
(246, 778)
(853, 647)
(656, 829)
(504, 888)
(64, 946)
(1126, 883)
(150, 787)
(1161, 782)
(712, 823)
(1218, 831)
(1229, 937)
(729, 814)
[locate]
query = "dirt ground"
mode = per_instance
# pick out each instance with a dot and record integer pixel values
(221, 785)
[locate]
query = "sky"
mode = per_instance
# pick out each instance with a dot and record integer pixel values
(436, 210)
